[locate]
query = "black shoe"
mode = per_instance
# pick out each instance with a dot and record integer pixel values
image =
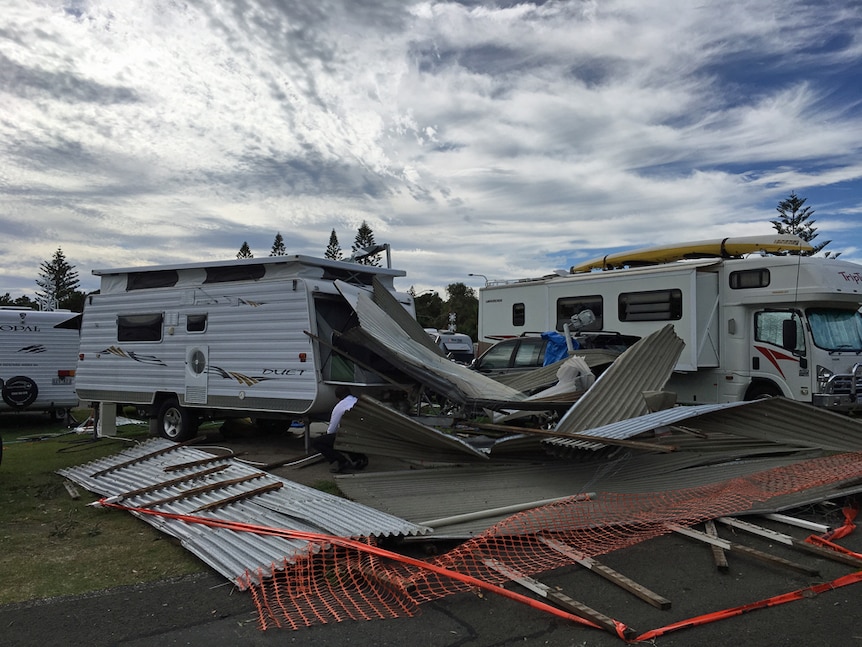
(361, 463)
(341, 468)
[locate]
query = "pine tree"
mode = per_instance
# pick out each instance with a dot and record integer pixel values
(365, 238)
(244, 251)
(278, 248)
(464, 303)
(58, 281)
(795, 219)
(333, 250)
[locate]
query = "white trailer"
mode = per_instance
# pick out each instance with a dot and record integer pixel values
(38, 357)
(258, 338)
(754, 326)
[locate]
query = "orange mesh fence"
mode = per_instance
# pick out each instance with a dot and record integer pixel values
(342, 582)
(346, 579)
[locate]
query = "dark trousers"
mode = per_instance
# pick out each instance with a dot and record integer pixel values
(325, 444)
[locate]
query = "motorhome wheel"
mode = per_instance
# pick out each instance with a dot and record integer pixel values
(760, 390)
(176, 422)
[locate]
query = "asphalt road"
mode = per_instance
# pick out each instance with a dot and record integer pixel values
(206, 611)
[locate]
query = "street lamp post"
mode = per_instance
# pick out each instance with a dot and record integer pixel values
(482, 275)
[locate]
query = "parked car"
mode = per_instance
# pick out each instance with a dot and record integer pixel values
(528, 351)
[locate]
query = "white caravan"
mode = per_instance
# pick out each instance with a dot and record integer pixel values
(38, 354)
(260, 338)
(754, 325)
(455, 345)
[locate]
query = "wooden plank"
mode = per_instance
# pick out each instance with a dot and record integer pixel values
(239, 497)
(71, 489)
(163, 484)
(799, 523)
(202, 461)
(718, 554)
(609, 574)
(599, 440)
(145, 457)
(739, 548)
(787, 540)
(560, 599)
(209, 487)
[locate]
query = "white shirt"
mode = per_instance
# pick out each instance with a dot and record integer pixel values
(338, 411)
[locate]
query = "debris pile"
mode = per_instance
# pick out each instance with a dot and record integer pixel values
(525, 483)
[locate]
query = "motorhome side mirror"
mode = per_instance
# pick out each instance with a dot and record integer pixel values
(788, 334)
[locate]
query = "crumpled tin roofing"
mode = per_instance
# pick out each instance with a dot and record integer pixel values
(418, 361)
(369, 427)
(719, 443)
(618, 394)
(260, 498)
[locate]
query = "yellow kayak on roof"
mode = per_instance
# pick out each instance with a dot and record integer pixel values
(717, 247)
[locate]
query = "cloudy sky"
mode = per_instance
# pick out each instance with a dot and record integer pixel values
(499, 138)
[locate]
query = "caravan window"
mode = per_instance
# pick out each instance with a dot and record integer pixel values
(749, 279)
(229, 273)
(569, 307)
(654, 305)
(519, 314)
(140, 327)
(153, 279)
(196, 323)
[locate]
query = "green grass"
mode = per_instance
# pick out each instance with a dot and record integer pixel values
(52, 544)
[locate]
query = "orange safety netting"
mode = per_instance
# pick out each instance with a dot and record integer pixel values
(342, 579)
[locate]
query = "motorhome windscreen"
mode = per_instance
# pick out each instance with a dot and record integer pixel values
(835, 329)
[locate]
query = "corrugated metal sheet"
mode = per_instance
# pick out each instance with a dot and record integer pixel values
(618, 394)
(418, 361)
(390, 305)
(787, 422)
(156, 463)
(372, 428)
(630, 427)
(740, 439)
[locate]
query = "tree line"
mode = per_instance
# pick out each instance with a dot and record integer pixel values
(58, 284)
(363, 240)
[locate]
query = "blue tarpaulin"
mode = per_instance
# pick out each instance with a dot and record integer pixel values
(556, 349)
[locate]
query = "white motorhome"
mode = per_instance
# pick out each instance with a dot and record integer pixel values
(754, 324)
(38, 356)
(260, 338)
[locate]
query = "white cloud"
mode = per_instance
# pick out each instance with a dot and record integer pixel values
(507, 140)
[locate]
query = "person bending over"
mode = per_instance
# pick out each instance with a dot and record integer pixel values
(325, 443)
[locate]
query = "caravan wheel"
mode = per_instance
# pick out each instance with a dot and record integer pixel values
(176, 422)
